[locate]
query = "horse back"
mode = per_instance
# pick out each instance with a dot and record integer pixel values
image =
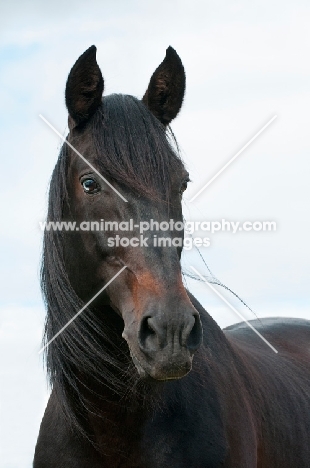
(278, 385)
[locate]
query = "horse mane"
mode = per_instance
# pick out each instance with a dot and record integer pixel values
(132, 148)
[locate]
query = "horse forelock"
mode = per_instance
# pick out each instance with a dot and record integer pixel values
(133, 148)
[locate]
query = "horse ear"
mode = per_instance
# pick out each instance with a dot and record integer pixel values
(84, 88)
(166, 89)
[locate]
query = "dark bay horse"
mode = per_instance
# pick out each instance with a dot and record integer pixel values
(143, 377)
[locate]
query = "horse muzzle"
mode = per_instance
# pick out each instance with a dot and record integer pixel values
(162, 346)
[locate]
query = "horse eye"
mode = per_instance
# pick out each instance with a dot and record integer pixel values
(90, 186)
(184, 186)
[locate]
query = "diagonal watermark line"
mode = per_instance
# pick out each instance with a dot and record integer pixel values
(82, 157)
(83, 308)
(235, 310)
(233, 158)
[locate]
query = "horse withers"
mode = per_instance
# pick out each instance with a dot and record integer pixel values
(144, 377)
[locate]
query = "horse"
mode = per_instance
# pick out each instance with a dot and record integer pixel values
(143, 377)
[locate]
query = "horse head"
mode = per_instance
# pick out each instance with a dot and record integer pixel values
(130, 176)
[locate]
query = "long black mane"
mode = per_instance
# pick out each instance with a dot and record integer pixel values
(133, 149)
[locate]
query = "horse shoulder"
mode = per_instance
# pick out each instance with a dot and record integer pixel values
(58, 445)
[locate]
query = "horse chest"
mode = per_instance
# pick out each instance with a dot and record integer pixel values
(140, 441)
(118, 435)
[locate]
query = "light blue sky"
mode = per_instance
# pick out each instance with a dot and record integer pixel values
(245, 62)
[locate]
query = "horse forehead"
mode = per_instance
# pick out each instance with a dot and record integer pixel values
(80, 149)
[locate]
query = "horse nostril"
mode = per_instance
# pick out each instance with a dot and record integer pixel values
(154, 336)
(194, 338)
(147, 332)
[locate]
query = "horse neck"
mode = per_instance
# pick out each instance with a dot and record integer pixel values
(225, 359)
